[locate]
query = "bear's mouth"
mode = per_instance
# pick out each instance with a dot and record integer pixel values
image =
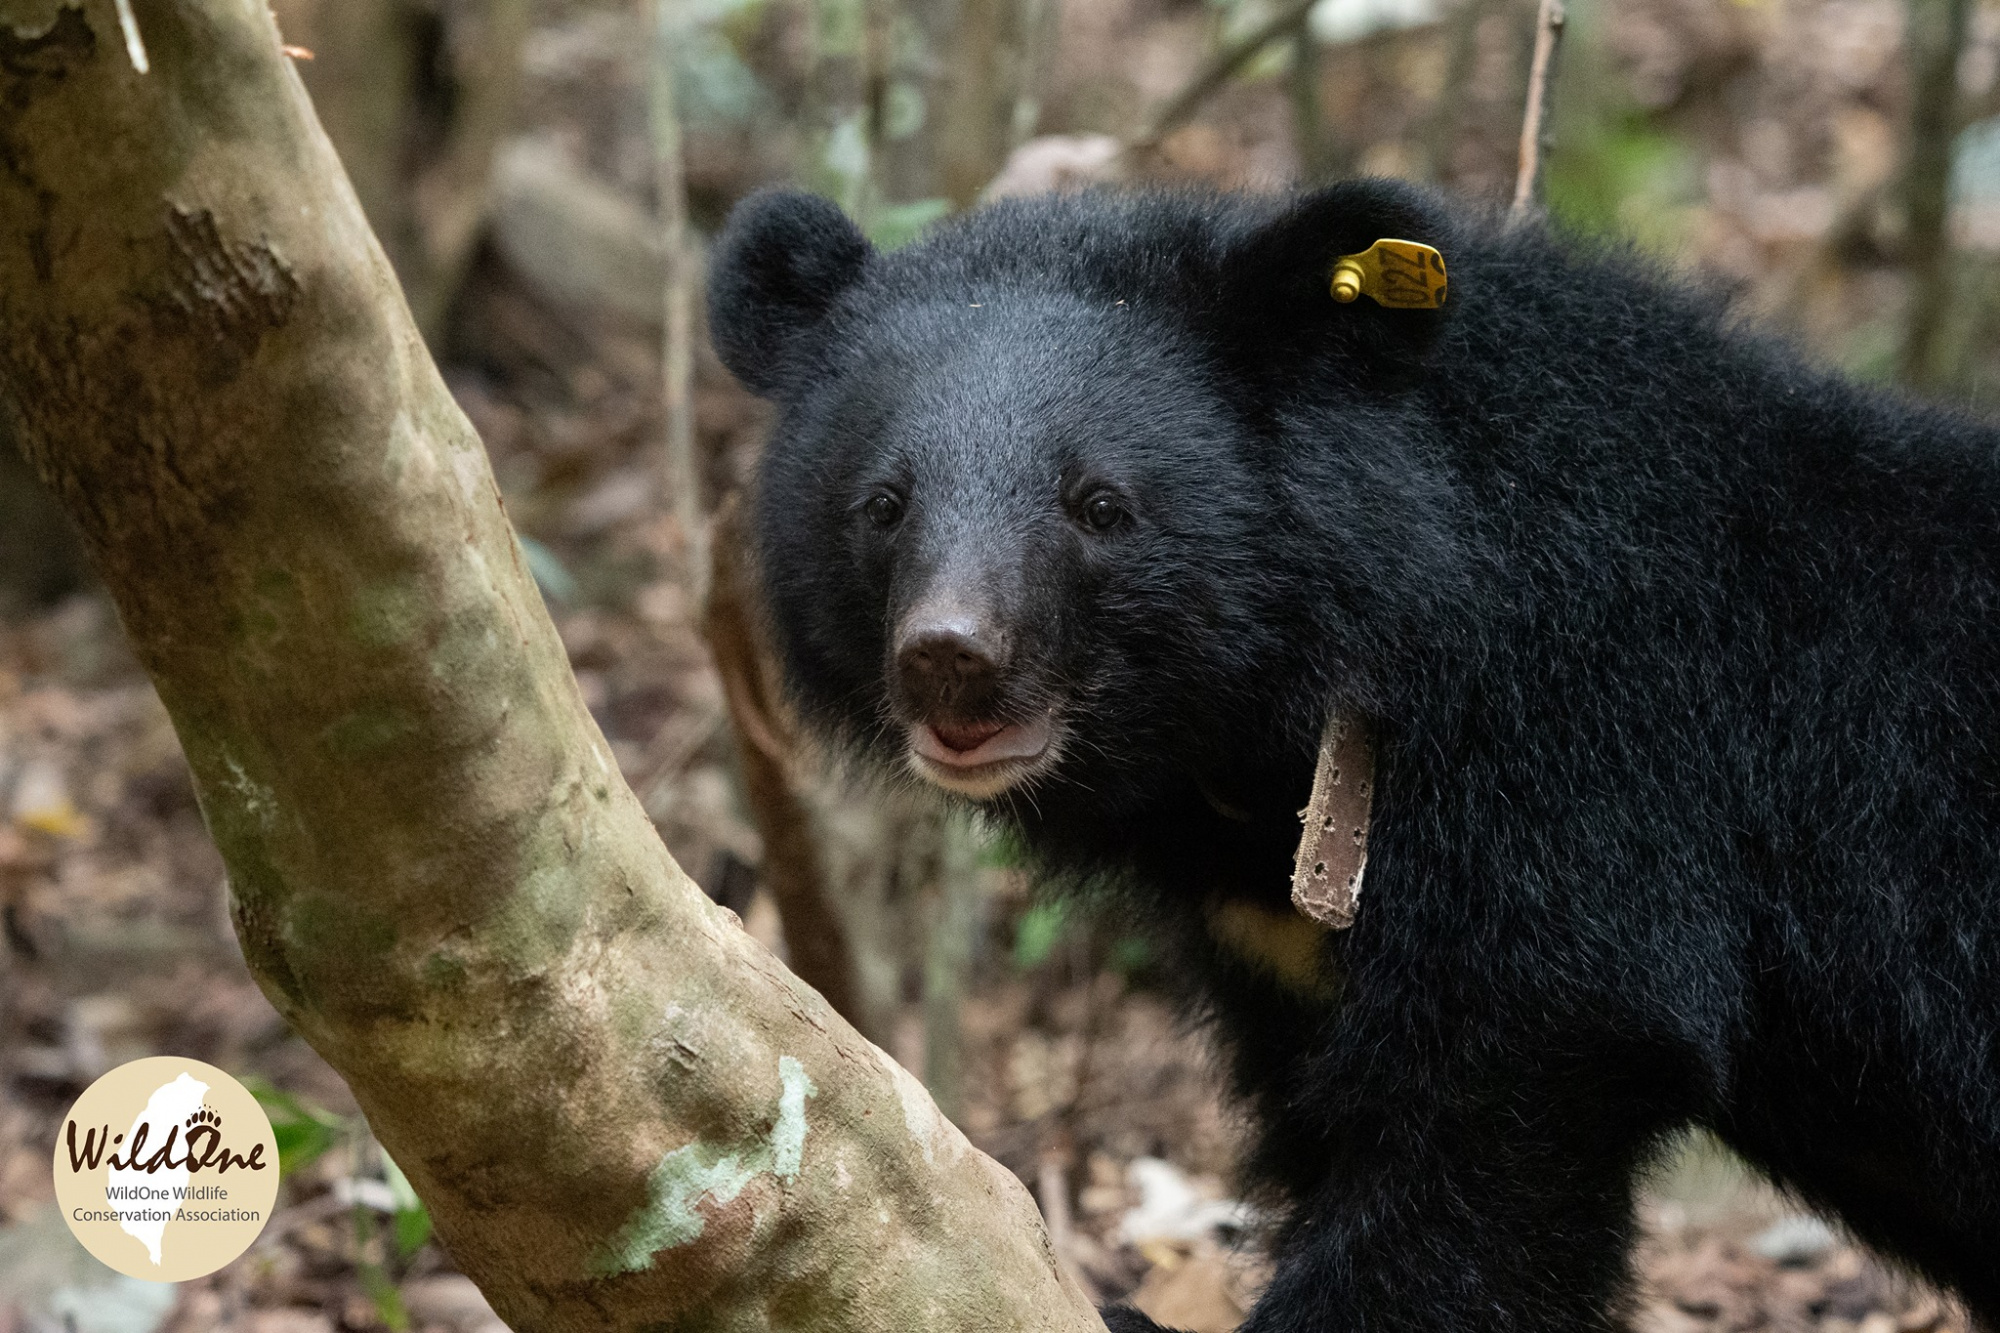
(980, 759)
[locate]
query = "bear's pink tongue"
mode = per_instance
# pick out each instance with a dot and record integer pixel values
(967, 735)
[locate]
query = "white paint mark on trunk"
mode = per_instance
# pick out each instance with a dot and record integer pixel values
(670, 1216)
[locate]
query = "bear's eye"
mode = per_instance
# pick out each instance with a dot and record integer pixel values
(1102, 513)
(883, 509)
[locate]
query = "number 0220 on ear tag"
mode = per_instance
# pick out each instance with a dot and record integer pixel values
(1402, 275)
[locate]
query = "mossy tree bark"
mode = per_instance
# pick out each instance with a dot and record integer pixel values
(622, 1113)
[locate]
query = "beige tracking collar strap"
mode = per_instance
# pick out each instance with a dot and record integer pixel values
(1333, 850)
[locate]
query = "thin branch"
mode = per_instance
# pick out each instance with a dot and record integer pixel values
(1052, 1193)
(878, 23)
(1308, 128)
(953, 912)
(1536, 137)
(683, 469)
(1937, 40)
(815, 937)
(1220, 69)
(1036, 19)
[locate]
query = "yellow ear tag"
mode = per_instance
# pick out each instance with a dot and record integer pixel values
(1402, 275)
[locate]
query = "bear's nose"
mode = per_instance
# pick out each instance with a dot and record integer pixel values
(949, 659)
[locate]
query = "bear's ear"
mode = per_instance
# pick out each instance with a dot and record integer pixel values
(782, 260)
(1278, 307)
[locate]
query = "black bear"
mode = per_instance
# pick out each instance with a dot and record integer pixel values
(1681, 660)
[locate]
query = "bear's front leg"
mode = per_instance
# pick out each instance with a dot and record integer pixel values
(1484, 1190)
(1467, 1176)
(1522, 1242)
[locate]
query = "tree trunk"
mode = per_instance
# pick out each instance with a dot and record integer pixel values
(622, 1113)
(416, 97)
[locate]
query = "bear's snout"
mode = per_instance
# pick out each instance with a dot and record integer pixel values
(951, 671)
(949, 664)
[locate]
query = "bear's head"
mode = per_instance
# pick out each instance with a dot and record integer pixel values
(1032, 513)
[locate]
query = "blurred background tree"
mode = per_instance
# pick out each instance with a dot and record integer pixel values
(544, 174)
